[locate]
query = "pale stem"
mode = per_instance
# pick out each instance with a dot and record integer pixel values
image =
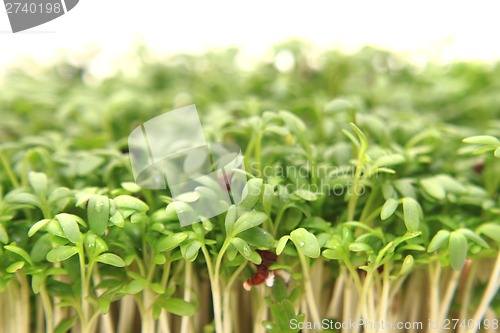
(489, 293)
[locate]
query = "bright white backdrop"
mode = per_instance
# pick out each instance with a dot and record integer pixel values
(442, 30)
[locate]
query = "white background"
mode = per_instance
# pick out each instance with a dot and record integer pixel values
(442, 30)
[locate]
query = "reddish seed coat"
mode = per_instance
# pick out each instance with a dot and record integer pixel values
(268, 258)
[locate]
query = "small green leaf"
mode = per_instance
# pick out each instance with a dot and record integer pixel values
(15, 267)
(190, 250)
(245, 250)
(305, 242)
(179, 307)
(170, 242)
(360, 247)
(61, 253)
(247, 221)
(294, 123)
(37, 226)
(457, 248)
(388, 208)
(257, 237)
(4, 237)
(188, 197)
(98, 214)
(65, 325)
(69, 226)
(251, 193)
(131, 187)
(334, 254)
(111, 259)
(482, 140)
(407, 265)
(42, 246)
(130, 203)
(471, 235)
(306, 195)
(438, 240)
(281, 244)
(267, 198)
(231, 216)
(491, 230)
(433, 187)
(412, 213)
(157, 288)
(19, 251)
(39, 183)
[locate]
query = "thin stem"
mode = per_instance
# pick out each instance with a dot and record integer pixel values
(467, 294)
(489, 293)
(351, 205)
(448, 296)
(8, 170)
(434, 277)
(309, 293)
(84, 319)
(227, 296)
(47, 308)
(187, 294)
(384, 297)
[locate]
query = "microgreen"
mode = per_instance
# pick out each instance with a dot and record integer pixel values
(376, 184)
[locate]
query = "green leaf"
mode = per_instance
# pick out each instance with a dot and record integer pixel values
(407, 265)
(360, 247)
(94, 245)
(245, 250)
(188, 197)
(334, 254)
(294, 123)
(179, 307)
(37, 226)
(306, 195)
(69, 226)
(19, 251)
(267, 198)
(130, 203)
(157, 288)
(438, 240)
(389, 160)
(482, 140)
(15, 267)
(111, 259)
(471, 235)
(22, 198)
(131, 187)
(281, 244)
(247, 221)
(457, 248)
(491, 230)
(38, 182)
(190, 250)
(257, 237)
(61, 253)
(251, 193)
(4, 237)
(41, 247)
(388, 208)
(412, 213)
(65, 325)
(433, 187)
(305, 242)
(98, 214)
(170, 242)
(231, 216)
